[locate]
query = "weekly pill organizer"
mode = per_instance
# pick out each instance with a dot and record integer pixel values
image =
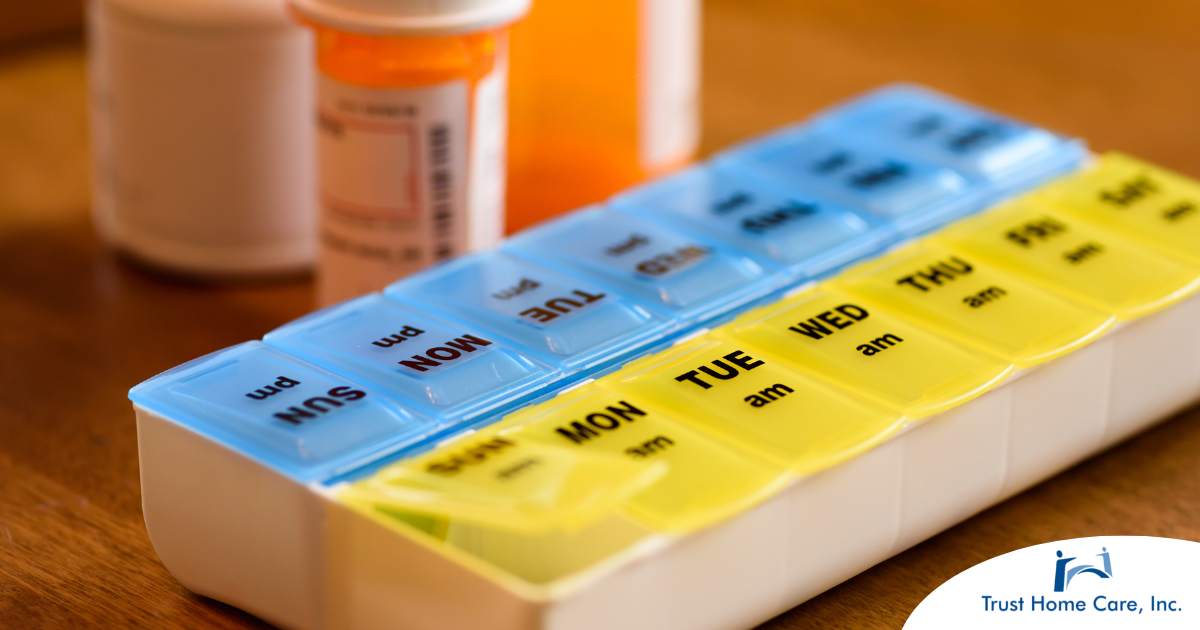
(700, 403)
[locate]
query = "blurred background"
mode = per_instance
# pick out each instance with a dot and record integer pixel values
(1119, 74)
(78, 327)
(1116, 73)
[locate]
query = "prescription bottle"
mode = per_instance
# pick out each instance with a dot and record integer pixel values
(604, 94)
(201, 141)
(411, 111)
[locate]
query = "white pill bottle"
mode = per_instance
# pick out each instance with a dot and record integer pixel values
(202, 134)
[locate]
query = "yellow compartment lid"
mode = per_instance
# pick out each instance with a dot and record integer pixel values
(1075, 257)
(537, 557)
(857, 345)
(734, 392)
(972, 301)
(508, 482)
(1136, 199)
(706, 481)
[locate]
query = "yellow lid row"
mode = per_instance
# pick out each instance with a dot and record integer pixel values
(684, 438)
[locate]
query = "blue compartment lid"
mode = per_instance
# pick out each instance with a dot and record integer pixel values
(301, 420)
(979, 144)
(687, 277)
(804, 234)
(913, 196)
(449, 371)
(562, 319)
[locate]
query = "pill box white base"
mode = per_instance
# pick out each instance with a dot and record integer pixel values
(229, 528)
(236, 531)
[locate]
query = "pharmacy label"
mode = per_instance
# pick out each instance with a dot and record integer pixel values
(394, 181)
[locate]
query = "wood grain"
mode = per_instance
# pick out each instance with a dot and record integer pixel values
(78, 327)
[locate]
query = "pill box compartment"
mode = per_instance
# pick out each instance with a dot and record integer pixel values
(298, 418)
(1006, 155)
(566, 321)
(910, 195)
(452, 371)
(795, 232)
(682, 276)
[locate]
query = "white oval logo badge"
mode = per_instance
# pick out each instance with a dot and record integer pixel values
(1101, 582)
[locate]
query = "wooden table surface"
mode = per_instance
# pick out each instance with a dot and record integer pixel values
(79, 327)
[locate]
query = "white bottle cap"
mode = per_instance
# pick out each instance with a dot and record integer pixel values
(411, 17)
(207, 14)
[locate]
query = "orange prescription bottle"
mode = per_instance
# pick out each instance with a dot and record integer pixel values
(411, 123)
(604, 93)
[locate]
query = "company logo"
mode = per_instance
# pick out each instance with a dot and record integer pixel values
(1156, 591)
(1063, 575)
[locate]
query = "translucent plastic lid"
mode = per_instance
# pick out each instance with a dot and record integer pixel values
(509, 483)
(737, 393)
(1098, 267)
(779, 226)
(412, 17)
(706, 479)
(680, 275)
(208, 14)
(976, 302)
(913, 195)
(291, 415)
(447, 369)
(973, 141)
(564, 320)
(1135, 199)
(869, 351)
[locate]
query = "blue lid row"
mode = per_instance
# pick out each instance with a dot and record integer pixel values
(458, 345)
